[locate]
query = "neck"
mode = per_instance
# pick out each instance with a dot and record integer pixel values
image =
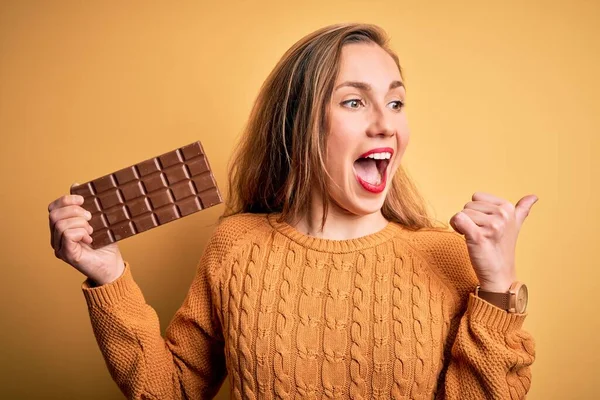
(340, 224)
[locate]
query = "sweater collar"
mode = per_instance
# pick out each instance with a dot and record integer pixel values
(391, 230)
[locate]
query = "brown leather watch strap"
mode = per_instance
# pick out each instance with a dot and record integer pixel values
(500, 300)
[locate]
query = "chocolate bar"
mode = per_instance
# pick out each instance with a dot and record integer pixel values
(149, 194)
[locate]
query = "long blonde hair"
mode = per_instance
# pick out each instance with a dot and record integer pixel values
(279, 158)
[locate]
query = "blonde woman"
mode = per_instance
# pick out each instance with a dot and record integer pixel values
(325, 277)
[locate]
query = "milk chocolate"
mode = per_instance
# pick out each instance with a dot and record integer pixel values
(149, 194)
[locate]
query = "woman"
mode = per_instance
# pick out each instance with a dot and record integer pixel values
(325, 276)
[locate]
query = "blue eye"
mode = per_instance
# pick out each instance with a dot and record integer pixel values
(358, 102)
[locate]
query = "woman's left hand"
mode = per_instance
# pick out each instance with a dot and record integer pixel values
(491, 226)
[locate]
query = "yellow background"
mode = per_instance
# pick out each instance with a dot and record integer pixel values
(502, 97)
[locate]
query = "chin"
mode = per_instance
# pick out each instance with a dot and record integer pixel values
(359, 202)
(361, 206)
(371, 206)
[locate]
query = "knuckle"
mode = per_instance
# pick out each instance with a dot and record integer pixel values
(497, 225)
(69, 199)
(508, 206)
(54, 216)
(503, 213)
(60, 225)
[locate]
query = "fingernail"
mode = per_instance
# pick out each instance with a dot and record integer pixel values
(88, 215)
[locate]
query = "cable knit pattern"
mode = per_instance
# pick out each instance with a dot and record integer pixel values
(285, 321)
(381, 328)
(402, 332)
(245, 329)
(421, 321)
(335, 339)
(265, 323)
(233, 333)
(285, 315)
(360, 330)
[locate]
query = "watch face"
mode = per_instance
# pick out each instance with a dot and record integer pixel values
(522, 297)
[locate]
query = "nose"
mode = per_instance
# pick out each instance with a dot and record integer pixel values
(381, 123)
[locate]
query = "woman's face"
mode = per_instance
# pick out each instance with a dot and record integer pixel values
(368, 130)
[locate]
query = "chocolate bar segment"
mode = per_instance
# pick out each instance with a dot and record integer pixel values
(149, 194)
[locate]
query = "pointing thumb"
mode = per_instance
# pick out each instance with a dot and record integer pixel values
(523, 208)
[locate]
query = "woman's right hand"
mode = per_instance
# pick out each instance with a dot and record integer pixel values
(70, 237)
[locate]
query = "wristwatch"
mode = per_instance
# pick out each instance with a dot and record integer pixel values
(513, 301)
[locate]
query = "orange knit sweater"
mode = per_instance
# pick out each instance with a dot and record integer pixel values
(285, 315)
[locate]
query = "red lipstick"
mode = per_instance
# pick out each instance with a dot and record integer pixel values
(379, 150)
(374, 188)
(369, 186)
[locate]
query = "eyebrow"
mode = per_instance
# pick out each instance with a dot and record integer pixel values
(365, 86)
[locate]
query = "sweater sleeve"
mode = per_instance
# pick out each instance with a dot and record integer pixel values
(488, 354)
(189, 363)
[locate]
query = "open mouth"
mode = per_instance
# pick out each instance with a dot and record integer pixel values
(371, 169)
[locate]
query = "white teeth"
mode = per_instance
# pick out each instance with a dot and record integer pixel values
(380, 156)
